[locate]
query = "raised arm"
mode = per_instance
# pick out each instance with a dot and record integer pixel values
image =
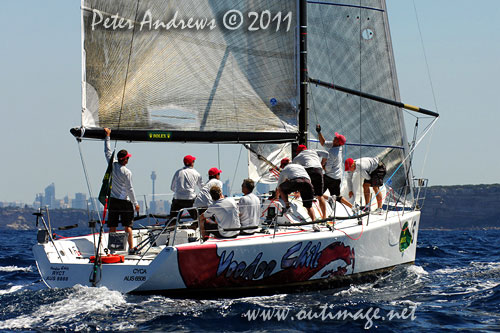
(320, 135)
(107, 145)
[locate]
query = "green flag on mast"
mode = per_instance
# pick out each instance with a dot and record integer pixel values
(106, 182)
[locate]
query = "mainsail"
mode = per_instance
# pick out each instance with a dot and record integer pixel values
(178, 66)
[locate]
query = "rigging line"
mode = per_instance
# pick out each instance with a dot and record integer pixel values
(425, 57)
(237, 164)
(89, 187)
(427, 152)
(430, 82)
(413, 149)
(336, 97)
(407, 156)
(218, 155)
(128, 67)
(360, 100)
(309, 87)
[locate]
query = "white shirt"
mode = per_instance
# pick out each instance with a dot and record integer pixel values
(226, 215)
(364, 166)
(121, 181)
(333, 166)
(310, 158)
(249, 206)
(204, 199)
(292, 171)
(183, 183)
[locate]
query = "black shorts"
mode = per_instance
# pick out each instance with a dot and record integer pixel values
(316, 175)
(377, 176)
(120, 211)
(333, 185)
(303, 185)
(211, 228)
(178, 204)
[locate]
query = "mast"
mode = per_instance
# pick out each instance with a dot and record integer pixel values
(303, 121)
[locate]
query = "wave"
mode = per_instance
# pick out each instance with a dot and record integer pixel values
(15, 269)
(12, 289)
(67, 313)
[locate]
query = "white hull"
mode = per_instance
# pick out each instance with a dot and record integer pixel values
(256, 263)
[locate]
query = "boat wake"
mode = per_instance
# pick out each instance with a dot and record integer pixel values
(16, 269)
(12, 289)
(75, 309)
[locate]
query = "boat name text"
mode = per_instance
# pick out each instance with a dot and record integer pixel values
(307, 258)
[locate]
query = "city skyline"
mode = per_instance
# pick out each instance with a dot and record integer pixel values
(49, 199)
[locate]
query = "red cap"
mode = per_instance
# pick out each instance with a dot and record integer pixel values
(214, 171)
(348, 163)
(284, 162)
(122, 154)
(301, 148)
(188, 159)
(341, 138)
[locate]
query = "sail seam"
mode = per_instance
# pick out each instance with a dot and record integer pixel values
(128, 67)
(345, 5)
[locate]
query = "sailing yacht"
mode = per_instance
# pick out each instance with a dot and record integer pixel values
(262, 74)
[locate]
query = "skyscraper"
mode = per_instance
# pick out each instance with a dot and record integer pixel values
(80, 201)
(153, 202)
(50, 196)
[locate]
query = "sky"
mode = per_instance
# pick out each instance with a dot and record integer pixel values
(40, 100)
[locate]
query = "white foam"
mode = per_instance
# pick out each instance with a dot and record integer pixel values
(354, 289)
(483, 286)
(80, 301)
(12, 289)
(15, 269)
(485, 265)
(419, 270)
(446, 271)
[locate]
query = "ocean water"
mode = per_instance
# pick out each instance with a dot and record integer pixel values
(454, 285)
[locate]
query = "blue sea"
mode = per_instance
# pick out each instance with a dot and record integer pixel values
(454, 285)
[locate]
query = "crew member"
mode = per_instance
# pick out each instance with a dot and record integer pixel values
(294, 178)
(333, 164)
(249, 206)
(183, 185)
(222, 214)
(203, 199)
(311, 161)
(122, 199)
(372, 171)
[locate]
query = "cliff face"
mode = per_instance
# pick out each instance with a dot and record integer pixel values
(445, 207)
(461, 207)
(23, 218)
